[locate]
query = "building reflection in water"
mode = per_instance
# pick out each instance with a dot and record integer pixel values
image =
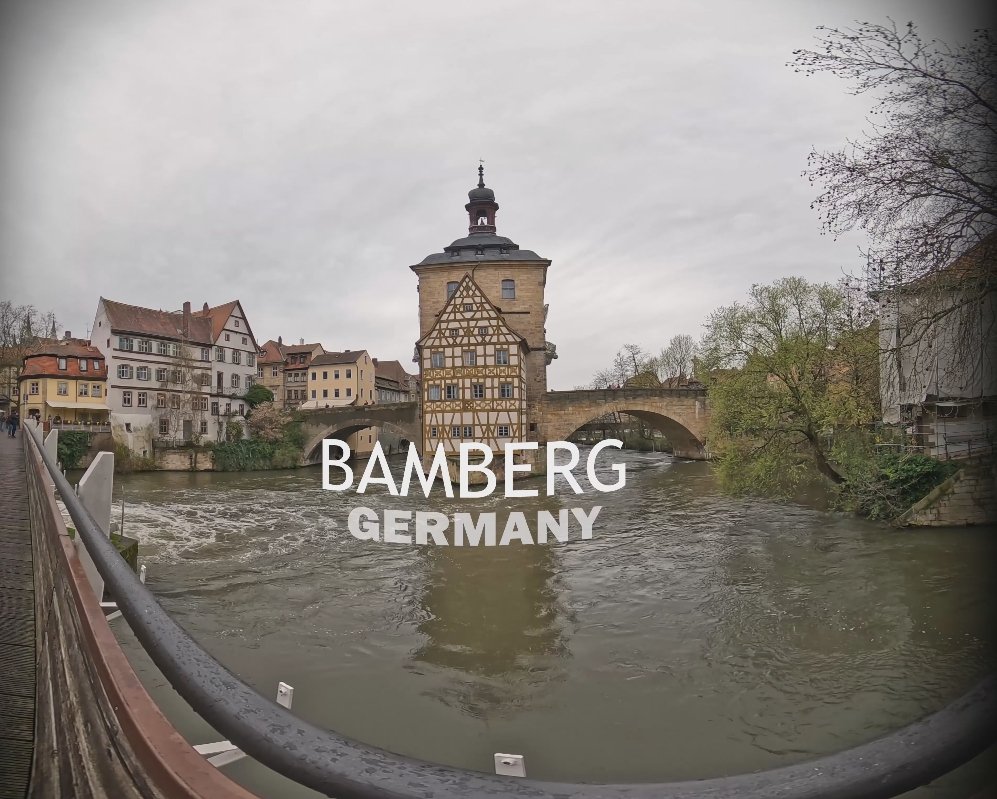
(493, 619)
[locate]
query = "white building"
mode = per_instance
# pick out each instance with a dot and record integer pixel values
(174, 376)
(938, 368)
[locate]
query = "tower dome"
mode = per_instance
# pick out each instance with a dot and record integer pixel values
(482, 206)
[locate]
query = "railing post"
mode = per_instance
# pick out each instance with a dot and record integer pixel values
(51, 446)
(95, 493)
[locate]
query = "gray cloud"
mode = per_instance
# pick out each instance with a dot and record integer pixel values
(300, 155)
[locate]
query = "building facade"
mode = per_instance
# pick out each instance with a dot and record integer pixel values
(938, 363)
(344, 378)
(175, 376)
(393, 383)
(473, 376)
(65, 383)
(283, 370)
(504, 287)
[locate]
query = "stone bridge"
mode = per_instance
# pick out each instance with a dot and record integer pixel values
(680, 414)
(401, 418)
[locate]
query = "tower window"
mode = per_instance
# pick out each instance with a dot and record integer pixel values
(508, 289)
(451, 288)
(482, 218)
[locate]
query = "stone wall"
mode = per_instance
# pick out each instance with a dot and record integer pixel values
(184, 459)
(968, 497)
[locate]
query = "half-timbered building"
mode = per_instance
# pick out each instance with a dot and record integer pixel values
(473, 375)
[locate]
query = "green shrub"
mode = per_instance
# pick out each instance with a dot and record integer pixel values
(73, 446)
(234, 431)
(286, 456)
(882, 486)
(127, 461)
(258, 393)
(249, 454)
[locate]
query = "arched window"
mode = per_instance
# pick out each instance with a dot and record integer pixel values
(508, 289)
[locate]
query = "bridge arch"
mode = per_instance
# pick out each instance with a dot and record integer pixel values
(400, 418)
(680, 415)
(313, 449)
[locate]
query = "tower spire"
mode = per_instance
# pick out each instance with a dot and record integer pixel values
(482, 206)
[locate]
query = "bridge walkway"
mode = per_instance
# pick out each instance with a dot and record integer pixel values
(17, 623)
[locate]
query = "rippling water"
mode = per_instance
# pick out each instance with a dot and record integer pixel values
(695, 635)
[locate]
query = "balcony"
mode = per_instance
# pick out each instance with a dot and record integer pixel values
(89, 427)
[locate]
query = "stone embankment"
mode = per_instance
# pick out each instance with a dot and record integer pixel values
(967, 497)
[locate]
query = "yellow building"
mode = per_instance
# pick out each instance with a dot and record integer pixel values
(344, 378)
(283, 369)
(65, 383)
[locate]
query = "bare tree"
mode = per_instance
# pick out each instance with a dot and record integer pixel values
(921, 181)
(676, 360)
(21, 327)
(186, 403)
(629, 362)
(921, 184)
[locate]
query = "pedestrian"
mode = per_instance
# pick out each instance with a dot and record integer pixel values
(12, 422)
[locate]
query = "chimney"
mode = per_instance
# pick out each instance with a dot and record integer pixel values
(186, 320)
(67, 335)
(205, 308)
(280, 340)
(302, 342)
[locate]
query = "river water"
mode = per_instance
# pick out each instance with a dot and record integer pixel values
(694, 635)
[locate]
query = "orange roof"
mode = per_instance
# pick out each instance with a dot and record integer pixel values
(219, 315)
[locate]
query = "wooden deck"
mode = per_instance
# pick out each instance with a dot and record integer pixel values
(17, 624)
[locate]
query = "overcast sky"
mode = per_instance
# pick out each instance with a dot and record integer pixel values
(299, 156)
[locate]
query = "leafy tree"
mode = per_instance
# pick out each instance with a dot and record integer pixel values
(258, 394)
(785, 370)
(267, 422)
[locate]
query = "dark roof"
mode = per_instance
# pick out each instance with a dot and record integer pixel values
(480, 247)
(71, 349)
(392, 370)
(332, 358)
(281, 351)
(160, 324)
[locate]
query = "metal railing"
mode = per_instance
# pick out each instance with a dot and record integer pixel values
(90, 427)
(339, 767)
